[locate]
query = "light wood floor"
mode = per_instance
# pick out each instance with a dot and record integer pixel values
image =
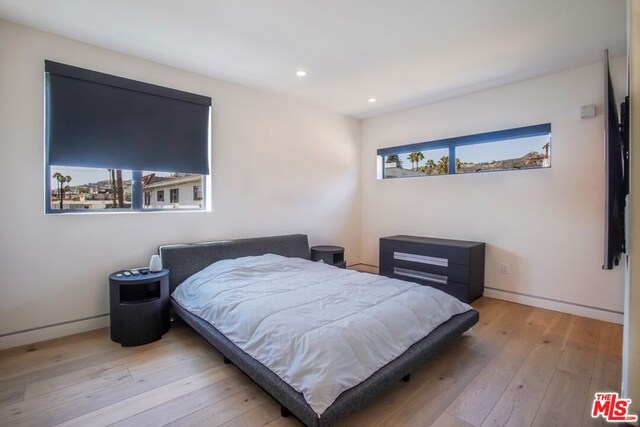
(521, 366)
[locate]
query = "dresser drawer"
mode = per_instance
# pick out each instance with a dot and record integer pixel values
(454, 272)
(450, 254)
(456, 289)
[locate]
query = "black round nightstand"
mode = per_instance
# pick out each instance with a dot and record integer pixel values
(139, 307)
(332, 255)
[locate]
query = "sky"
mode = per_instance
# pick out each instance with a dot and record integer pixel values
(81, 176)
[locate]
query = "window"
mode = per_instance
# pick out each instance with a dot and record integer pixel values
(197, 192)
(108, 154)
(173, 195)
(512, 149)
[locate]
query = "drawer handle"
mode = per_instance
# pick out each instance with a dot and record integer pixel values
(422, 259)
(429, 277)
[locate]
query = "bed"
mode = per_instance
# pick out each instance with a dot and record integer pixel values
(184, 261)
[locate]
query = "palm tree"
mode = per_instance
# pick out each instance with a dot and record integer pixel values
(62, 179)
(112, 179)
(120, 190)
(59, 177)
(430, 166)
(415, 159)
(458, 164)
(443, 165)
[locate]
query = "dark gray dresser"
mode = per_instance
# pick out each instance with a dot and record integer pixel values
(453, 266)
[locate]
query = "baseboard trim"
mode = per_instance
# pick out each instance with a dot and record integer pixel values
(55, 330)
(534, 301)
(362, 263)
(364, 268)
(554, 304)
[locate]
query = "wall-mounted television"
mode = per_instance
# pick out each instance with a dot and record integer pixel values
(616, 157)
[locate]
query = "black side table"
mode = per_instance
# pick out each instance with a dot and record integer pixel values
(139, 307)
(332, 255)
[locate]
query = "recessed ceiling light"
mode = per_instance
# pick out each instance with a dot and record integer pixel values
(301, 73)
(371, 100)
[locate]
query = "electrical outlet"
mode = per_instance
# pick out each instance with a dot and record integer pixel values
(504, 268)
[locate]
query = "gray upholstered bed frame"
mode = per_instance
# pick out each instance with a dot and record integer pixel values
(185, 260)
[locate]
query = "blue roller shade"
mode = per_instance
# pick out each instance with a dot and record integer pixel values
(103, 121)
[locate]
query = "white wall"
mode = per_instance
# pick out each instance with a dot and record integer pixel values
(54, 268)
(547, 224)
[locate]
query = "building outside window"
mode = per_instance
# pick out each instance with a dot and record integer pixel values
(197, 192)
(160, 195)
(181, 189)
(173, 195)
(147, 198)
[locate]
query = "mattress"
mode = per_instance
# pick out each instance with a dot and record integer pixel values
(321, 329)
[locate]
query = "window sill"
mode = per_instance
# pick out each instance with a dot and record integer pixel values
(65, 212)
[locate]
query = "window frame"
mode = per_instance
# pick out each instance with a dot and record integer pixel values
(452, 143)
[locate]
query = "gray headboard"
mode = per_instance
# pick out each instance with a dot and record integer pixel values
(186, 259)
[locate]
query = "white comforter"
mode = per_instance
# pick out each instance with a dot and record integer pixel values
(320, 328)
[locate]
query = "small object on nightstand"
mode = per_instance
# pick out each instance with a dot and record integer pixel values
(332, 255)
(155, 264)
(139, 307)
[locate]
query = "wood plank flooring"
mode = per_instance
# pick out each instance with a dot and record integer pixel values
(520, 366)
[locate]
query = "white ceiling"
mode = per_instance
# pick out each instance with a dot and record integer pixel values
(403, 52)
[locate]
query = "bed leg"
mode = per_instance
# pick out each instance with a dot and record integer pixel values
(284, 412)
(406, 378)
(225, 360)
